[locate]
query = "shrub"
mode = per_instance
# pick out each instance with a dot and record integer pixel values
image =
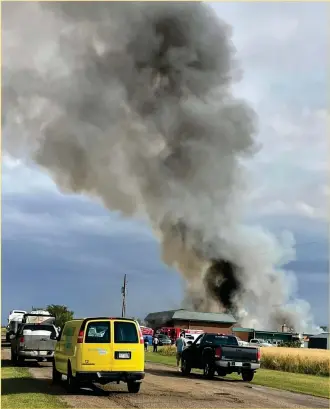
(168, 350)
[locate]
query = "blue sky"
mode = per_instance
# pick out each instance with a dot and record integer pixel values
(67, 249)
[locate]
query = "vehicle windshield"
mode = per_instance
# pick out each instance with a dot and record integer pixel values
(220, 340)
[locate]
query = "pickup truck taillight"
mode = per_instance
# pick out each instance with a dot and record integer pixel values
(218, 352)
(21, 340)
(258, 354)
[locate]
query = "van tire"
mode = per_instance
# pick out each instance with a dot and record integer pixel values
(13, 358)
(72, 385)
(56, 375)
(133, 387)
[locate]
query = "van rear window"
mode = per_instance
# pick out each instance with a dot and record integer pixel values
(98, 332)
(125, 333)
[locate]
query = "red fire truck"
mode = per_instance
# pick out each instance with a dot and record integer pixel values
(174, 332)
(146, 330)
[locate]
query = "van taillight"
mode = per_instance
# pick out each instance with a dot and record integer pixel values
(258, 354)
(21, 340)
(218, 352)
(80, 337)
(141, 336)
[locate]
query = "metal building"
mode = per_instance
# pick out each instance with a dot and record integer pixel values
(320, 341)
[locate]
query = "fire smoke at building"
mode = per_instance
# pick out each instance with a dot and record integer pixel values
(132, 103)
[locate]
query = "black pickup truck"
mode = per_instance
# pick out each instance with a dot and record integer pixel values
(221, 354)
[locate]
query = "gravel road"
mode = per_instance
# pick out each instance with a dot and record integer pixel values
(164, 387)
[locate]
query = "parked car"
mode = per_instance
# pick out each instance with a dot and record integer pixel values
(220, 353)
(164, 340)
(100, 350)
(242, 343)
(276, 343)
(260, 342)
(33, 341)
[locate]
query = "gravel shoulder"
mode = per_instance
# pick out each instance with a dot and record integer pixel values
(164, 387)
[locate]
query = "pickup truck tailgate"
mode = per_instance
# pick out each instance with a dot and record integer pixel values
(39, 342)
(242, 354)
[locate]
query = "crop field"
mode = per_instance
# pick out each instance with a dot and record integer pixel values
(297, 360)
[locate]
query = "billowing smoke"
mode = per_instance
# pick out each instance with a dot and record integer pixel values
(132, 103)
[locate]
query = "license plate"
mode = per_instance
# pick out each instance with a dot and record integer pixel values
(238, 364)
(124, 355)
(43, 353)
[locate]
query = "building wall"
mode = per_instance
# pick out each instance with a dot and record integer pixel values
(205, 326)
(244, 336)
(318, 343)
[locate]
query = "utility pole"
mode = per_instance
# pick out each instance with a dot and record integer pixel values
(124, 292)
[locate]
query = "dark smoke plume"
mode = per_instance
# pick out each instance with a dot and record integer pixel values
(132, 103)
(222, 283)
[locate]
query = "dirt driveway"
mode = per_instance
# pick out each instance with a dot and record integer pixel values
(164, 387)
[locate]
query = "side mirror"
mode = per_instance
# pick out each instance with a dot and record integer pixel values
(189, 343)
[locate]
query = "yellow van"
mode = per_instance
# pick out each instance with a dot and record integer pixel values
(100, 350)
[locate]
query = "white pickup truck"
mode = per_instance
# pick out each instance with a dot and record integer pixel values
(260, 343)
(35, 338)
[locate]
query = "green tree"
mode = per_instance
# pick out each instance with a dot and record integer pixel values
(324, 328)
(61, 313)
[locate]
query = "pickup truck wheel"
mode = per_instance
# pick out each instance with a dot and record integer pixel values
(208, 371)
(185, 367)
(133, 387)
(56, 376)
(247, 376)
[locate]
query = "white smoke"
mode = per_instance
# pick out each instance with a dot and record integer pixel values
(132, 103)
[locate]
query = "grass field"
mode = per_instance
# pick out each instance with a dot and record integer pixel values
(19, 390)
(293, 382)
(296, 360)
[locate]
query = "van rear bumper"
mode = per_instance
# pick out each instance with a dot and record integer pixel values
(106, 377)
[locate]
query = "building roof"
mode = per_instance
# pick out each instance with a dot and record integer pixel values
(184, 315)
(240, 329)
(323, 335)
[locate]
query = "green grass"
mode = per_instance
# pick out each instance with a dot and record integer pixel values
(20, 390)
(293, 382)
